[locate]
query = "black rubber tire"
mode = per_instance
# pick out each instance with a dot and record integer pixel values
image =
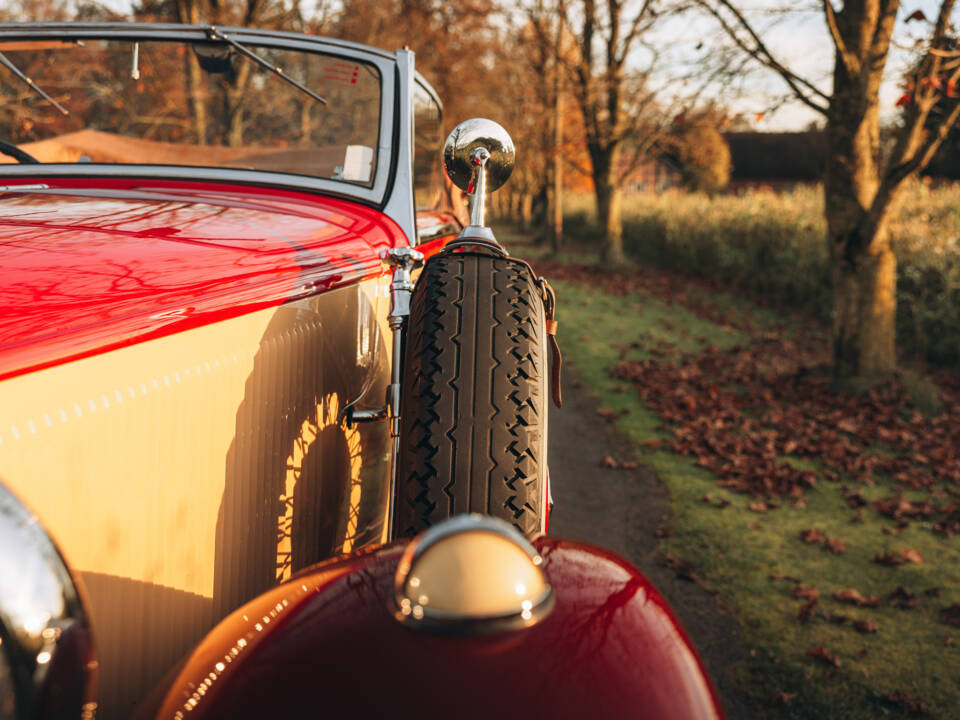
(473, 427)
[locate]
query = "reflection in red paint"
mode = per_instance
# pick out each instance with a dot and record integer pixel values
(93, 265)
(610, 649)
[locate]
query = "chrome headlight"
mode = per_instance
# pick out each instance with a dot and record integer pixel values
(471, 574)
(47, 662)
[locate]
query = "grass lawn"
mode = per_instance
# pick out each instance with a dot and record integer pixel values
(896, 659)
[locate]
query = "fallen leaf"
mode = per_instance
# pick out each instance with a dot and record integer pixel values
(951, 615)
(913, 556)
(824, 655)
(607, 413)
(806, 609)
(608, 462)
(652, 443)
(782, 698)
(889, 558)
(681, 569)
(800, 591)
(854, 498)
(903, 598)
(664, 531)
(719, 502)
(836, 546)
(758, 507)
(628, 465)
(910, 704)
(853, 596)
(948, 640)
(865, 626)
(812, 536)
(781, 576)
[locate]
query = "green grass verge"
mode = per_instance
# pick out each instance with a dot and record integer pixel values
(734, 550)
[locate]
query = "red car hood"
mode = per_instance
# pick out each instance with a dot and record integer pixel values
(86, 267)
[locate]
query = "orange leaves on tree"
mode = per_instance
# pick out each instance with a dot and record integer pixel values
(916, 15)
(903, 100)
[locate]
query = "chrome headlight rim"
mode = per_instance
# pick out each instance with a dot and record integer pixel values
(528, 612)
(46, 637)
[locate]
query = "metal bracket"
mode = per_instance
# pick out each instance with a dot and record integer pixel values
(352, 417)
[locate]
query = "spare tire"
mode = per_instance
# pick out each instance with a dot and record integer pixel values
(473, 428)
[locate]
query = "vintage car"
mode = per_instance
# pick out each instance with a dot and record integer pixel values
(272, 421)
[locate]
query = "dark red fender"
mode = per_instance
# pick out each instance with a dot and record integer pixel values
(326, 643)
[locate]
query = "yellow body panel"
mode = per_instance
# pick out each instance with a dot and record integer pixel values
(184, 475)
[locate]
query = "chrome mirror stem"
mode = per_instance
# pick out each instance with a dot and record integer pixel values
(478, 186)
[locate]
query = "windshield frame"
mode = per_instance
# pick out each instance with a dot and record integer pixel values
(386, 64)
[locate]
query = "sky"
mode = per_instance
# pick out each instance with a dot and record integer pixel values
(799, 40)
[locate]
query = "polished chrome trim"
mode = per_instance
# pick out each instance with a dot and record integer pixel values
(41, 607)
(403, 261)
(454, 623)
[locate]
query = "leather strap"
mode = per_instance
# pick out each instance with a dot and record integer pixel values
(549, 296)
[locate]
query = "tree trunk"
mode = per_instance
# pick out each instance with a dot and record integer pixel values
(865, 306)
(557, 195)
(609, 197)
(863, 263)
(189, 13)
(526, 211)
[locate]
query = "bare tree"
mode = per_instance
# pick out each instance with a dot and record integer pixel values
(861, 188)
(606, 34)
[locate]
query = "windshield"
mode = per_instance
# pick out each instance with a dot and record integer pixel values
(199, 104)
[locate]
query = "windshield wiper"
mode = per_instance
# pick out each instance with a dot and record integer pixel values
(33, 86)
(214, 34)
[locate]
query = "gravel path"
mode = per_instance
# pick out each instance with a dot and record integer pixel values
(620, 510)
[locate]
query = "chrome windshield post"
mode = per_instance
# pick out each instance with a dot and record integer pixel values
(403, 261)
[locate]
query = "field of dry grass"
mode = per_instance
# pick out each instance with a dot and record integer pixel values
(772, 246)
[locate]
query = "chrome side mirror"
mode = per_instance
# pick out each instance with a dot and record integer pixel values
(478, 157)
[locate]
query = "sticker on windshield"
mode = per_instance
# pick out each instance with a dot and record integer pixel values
(341, 73)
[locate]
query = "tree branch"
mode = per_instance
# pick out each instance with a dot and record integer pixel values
(761, 54)
(850, 61)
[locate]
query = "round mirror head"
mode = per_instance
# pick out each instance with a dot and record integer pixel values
(459, 153)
